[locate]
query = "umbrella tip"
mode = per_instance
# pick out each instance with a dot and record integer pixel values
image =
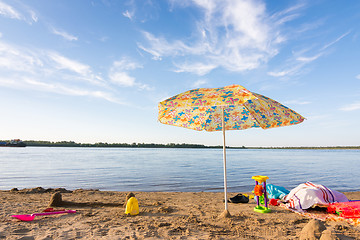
(225, 214)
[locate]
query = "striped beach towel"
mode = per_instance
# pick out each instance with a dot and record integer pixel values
(308, 194)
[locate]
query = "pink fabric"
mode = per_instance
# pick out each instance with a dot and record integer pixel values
(308, 194)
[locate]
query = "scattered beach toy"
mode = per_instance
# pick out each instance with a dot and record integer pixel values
(274, 202)
(260, 191)
(132, 206)
(250, 196)
(30, 217)
(276, 192)
(52, 210)
(345, 209)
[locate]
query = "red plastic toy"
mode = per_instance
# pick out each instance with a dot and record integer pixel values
(345, 209)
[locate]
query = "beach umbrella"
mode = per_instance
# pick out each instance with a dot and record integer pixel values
(226, 108)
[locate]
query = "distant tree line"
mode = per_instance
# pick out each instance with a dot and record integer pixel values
(156, 145)
(114, 145)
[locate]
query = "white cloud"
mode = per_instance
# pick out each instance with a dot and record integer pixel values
(290, 70)
(358, 76)
(18, 59)
(237, 35)
(8, 11)
(69, 64)
(62, 89)
(64, 34)
(22, 12)
(309, 26)
(22, 68)
(278, 74)
(309, 59)
(199, 83)
(122, 78)
(119, 74)
(104, 39)
(351, 107)
(298, 60)
(125, 64)
(296, 102)
(335, 41)
(34, 17)
(161, 47)
(197, 68)
(128, 14)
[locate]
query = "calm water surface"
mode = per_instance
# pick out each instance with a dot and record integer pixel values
(131, 169)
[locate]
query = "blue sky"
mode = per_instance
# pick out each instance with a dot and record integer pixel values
(94, 71)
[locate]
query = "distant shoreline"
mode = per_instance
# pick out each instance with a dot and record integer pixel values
(155, 145)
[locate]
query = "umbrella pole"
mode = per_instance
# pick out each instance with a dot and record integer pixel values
(224, 158)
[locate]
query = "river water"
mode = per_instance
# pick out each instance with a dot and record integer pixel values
(159, 169)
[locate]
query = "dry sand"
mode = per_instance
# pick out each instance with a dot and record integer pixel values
(163, 215)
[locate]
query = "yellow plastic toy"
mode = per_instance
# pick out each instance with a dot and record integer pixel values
(132, 206)
(260, 191)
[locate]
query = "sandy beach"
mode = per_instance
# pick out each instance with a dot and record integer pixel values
(163, 215)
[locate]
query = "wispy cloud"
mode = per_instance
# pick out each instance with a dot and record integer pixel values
(358, 76)
(199, 83)
(283, 73)
(104, 38)
(119, 74)
(8, 11)
(296, 102)
(309, 59)
(128, 14)
(236, 35)
(64, 34)
(69, 64)
(197, 68)
(300, 59)
(69, 67)
(288, 14)
(18, 59)
(161, 47)
(122, 78)
(141, 10)
(335, 41)
(18, 12)
(351, 107)
(23, 68)
(308, 26)
(72, 91)
(34, 17)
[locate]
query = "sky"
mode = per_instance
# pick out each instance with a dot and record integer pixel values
(95, 71)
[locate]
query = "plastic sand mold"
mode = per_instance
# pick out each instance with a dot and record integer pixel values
(132, 206)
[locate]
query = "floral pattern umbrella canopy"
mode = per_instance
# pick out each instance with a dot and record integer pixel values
(201, 109)
(227, 108)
